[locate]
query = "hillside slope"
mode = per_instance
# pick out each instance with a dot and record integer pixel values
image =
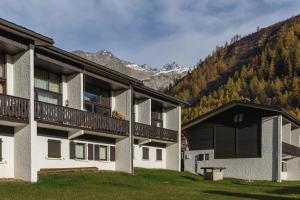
(263, 67)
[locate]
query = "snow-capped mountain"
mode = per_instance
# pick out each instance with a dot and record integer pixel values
(152, 77)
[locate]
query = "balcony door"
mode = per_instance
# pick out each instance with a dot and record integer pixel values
(2, 75)
(97, 100)
(47, 87)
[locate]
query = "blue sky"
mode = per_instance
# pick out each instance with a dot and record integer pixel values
(147, 31)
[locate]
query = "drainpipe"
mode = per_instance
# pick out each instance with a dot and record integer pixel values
(279, 148)
(131, 128)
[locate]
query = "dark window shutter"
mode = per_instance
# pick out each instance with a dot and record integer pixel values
(97, 152)
(145, 153)
(158, 154)
(112, 153)
(225, 142)
(54, 148)
(1, 150)
(72, 150)
(84, 151)
(90, 152)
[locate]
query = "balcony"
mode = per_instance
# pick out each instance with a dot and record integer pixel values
(290, 149)
(14, 108)
(60, 115)
(152, 132)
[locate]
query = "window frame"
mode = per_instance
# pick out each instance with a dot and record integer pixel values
(48, 91)
(83, 153)
(55, 141)
(106, 152)
(95, 105)
(148, 152)
(161, 155)
(156, 119)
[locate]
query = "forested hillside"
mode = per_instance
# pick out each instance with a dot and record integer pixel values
(263, 67)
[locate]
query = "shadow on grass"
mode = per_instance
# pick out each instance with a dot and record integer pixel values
(249, 196)
(276, 189)
(190, 178)
(286, 190)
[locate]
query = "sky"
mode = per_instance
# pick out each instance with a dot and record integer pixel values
(153, 32)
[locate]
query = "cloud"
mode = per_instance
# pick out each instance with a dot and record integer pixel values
(153, 32)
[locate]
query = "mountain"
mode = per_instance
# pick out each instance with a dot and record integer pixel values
(263, 67)
(154, 78)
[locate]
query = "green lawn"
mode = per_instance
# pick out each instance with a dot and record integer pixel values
(145, 184)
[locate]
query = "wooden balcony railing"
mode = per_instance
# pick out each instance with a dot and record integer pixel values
(50, 113)
(152, 132)
(14, 108)
(290, 149)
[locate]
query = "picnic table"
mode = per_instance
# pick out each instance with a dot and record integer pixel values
(213, 173)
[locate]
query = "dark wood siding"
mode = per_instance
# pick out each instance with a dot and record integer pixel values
(225, 142)
(248, 141)
(90, 152)
(97, 157)
(54, 148)
(52, 133)
(72, 150)
(145, 153)
(158, 154)
(1, 158)
(112, 153)
(201, 138)
(6, 130)
(95, 138)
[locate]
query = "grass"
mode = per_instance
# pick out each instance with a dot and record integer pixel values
(145, 184)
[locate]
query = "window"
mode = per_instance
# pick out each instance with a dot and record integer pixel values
(145, 153)
(97, 100)
(156, 116)
(284, 166)
(158, 154)
(103, 152)
(112, 153)
(2, 75)
(47, 87)
(79, 151)
(206, 156)
(238, 118)
(54, 149)
(199, 157)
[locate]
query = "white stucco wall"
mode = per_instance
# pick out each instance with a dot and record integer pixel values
(24, 138)
(7, 163)
(121, 102)
(143, 112)
(152, 163)
(264, 168)
(123, 155)
(293, 165)
(286, 133)
(74, 91)
(21, 74)
(65, 162)
(173, 150)
(293, 169)
(9, 70)
(295, 137)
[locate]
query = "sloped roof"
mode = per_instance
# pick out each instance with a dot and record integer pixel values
(232, 104)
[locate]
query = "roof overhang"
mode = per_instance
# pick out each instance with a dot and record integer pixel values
(275, 109)
(25, 33)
